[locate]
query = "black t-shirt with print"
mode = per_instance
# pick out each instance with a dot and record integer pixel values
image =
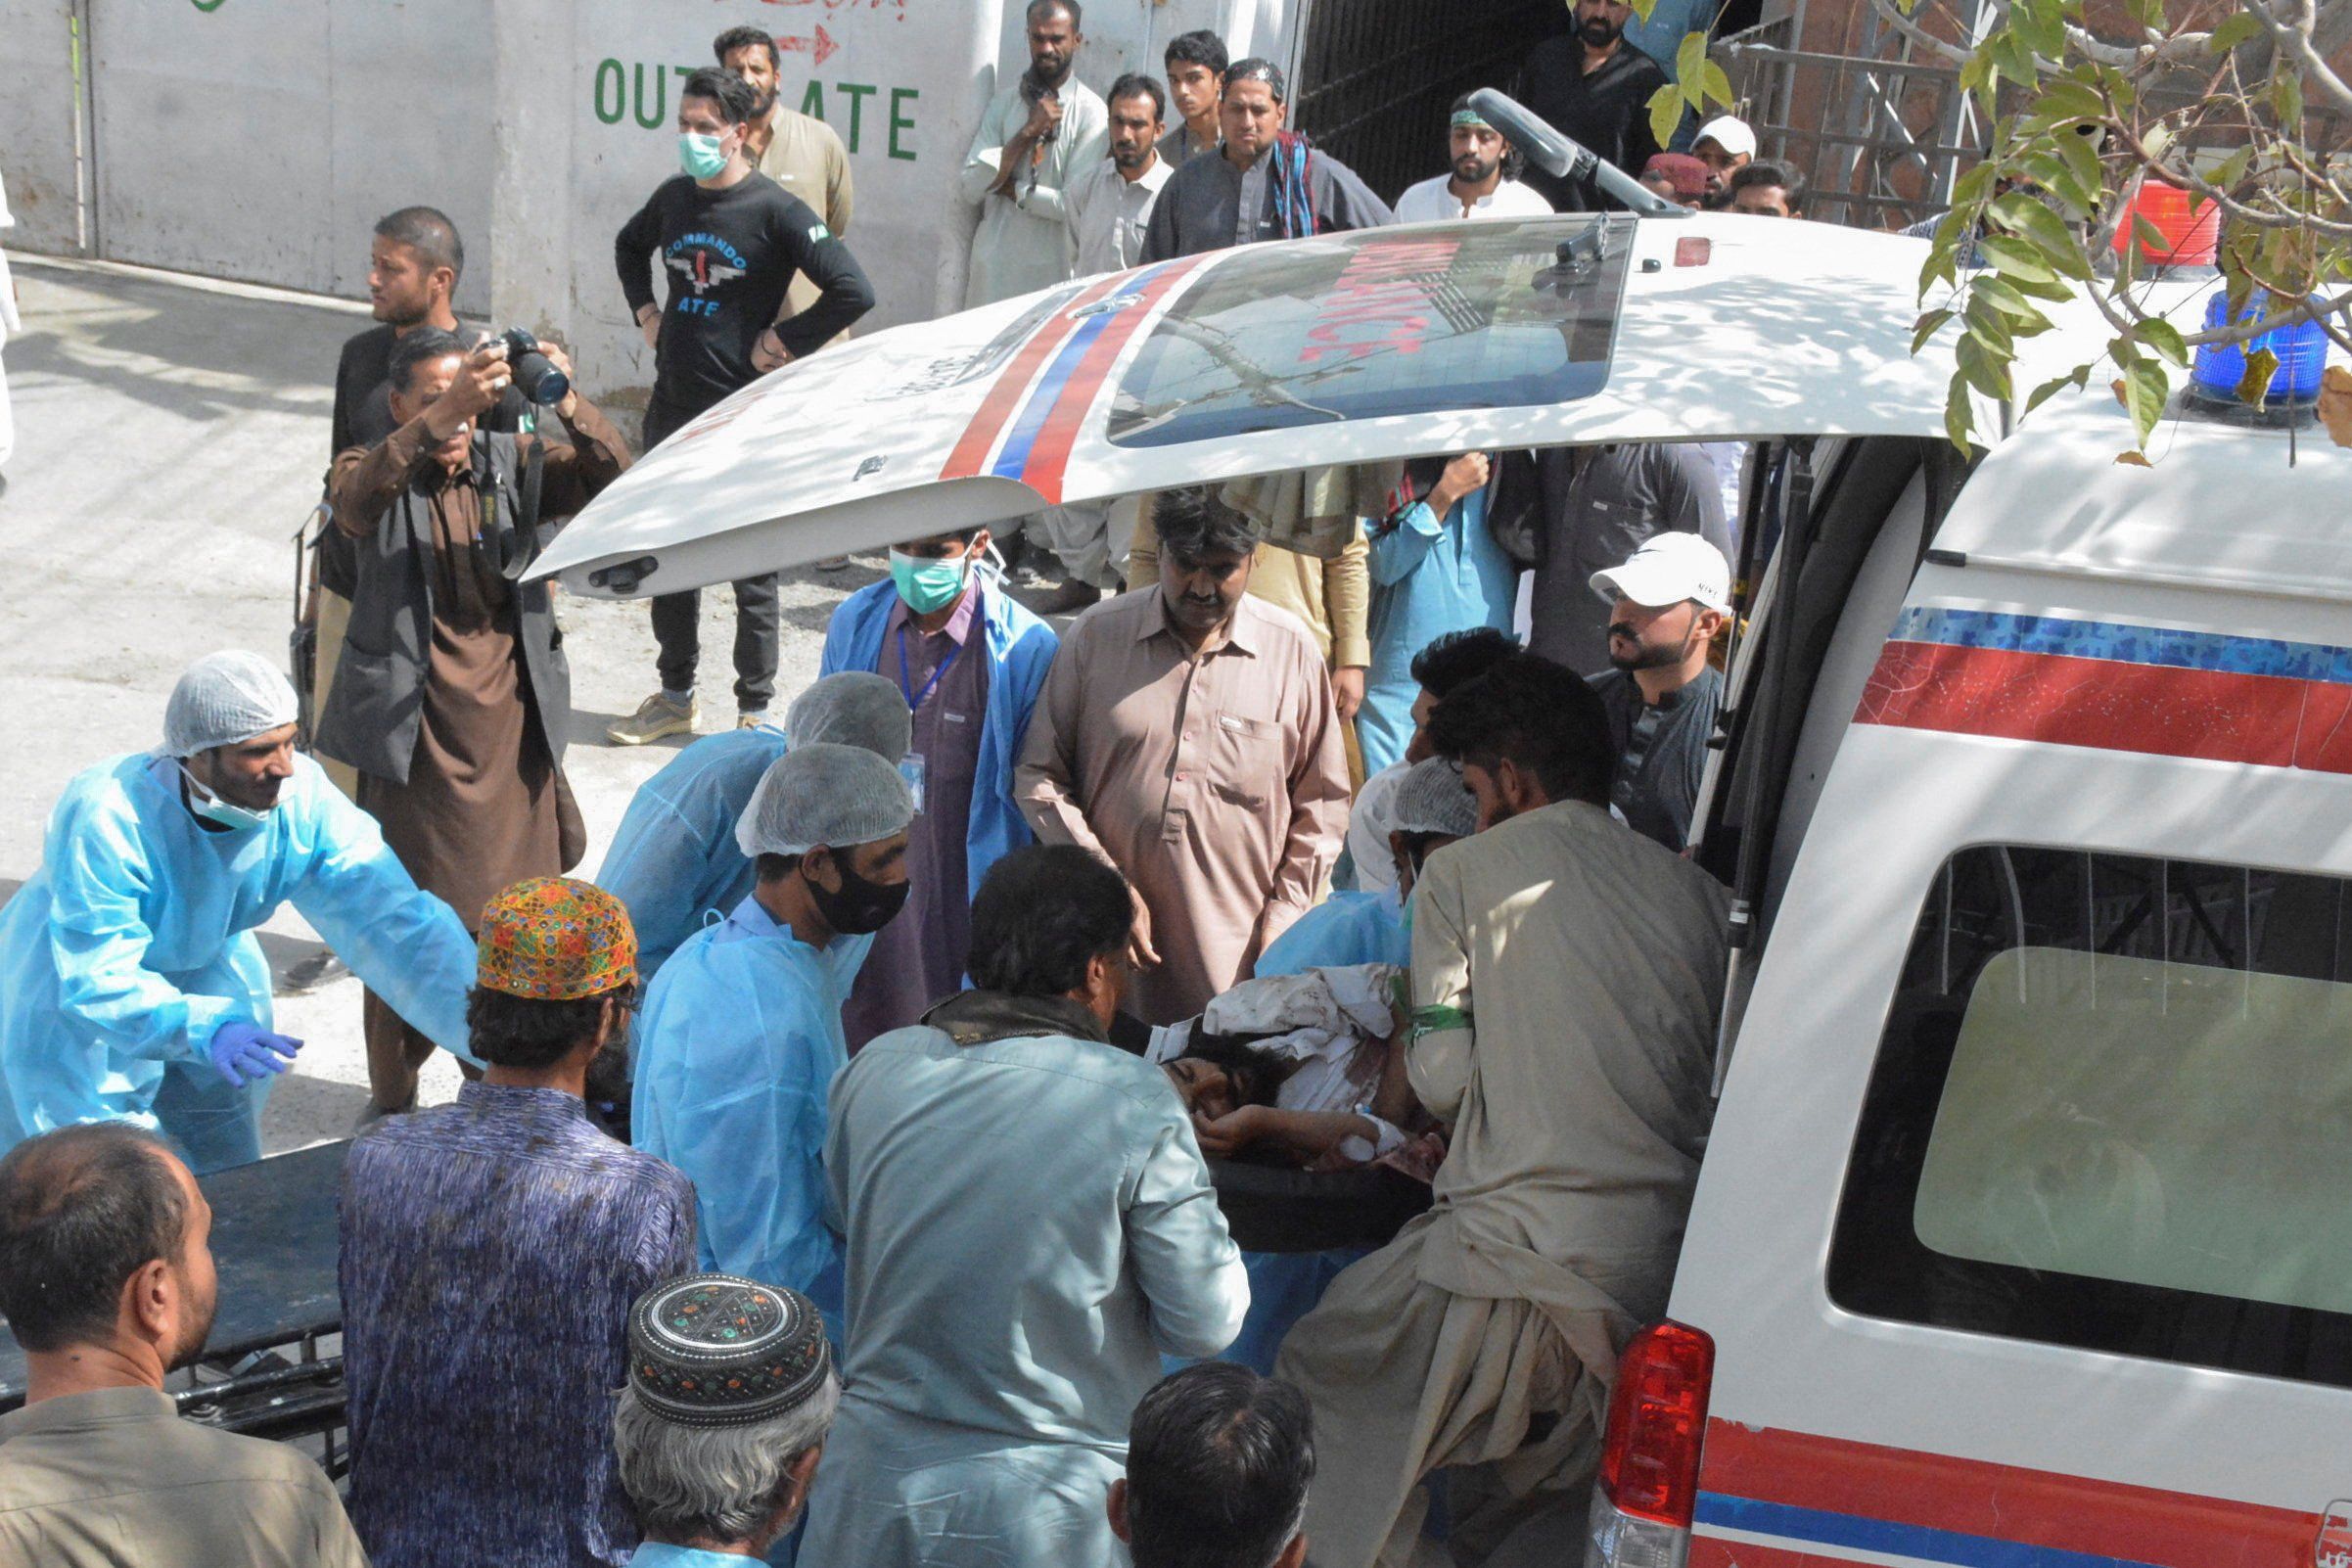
(728, 257)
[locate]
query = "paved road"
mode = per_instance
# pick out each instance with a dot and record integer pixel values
(169, 439)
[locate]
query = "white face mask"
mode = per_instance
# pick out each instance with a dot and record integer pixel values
(222, 814)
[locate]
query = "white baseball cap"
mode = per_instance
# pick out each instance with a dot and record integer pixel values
(1667, 569)
(1732, 135)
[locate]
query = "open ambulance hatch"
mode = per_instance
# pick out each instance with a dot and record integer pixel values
(1369, 347)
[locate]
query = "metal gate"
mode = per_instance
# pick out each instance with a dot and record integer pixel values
(1375, 77)
(262, 139)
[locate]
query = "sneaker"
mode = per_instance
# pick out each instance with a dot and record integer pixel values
(655, 717)
(751, 721)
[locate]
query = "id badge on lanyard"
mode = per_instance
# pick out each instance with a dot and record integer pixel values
(910, 768)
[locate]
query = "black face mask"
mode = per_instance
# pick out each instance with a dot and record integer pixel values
(860, 906)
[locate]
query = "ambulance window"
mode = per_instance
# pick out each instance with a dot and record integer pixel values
(2112, 1109)
(1375, 325)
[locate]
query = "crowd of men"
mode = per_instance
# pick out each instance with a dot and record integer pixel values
(855, 1121)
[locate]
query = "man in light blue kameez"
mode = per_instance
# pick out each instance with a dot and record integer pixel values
(1029, 1225)
(1436, 567)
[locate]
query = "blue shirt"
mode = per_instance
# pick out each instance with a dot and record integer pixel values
(491, 1252)
(1429, 576)
(661, 1554)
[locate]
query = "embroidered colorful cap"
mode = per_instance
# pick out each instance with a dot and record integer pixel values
(552, 939)
(712, 1350)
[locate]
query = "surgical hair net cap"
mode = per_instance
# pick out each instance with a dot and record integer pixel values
(824, 793)
(1433, 799)
(855, 708)
(225, 698)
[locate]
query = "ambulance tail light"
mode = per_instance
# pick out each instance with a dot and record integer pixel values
(1649, 1458)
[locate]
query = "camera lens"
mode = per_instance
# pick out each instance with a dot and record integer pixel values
(538, 378)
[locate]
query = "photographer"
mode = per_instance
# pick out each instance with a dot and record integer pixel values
(452, 695)
(732, 241)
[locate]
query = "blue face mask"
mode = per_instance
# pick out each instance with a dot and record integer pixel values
(926, 584)
(700, 155)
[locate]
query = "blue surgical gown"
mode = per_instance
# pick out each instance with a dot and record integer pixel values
(736, 1052)
(674, 858)
(1344, 930)
(1428, 579)
(133, 943)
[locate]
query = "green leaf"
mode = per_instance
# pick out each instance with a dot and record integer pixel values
(2156, 140)
(2015, 60)
(1981, 366)
(2025, 217)
(2014, 258)
(1927, 326)
(1716, 85)
(1975, 185)
(2077, 378)
(2063, 100)
(2243, 27)
(2231, 169)
(1960, 418)
(2024, 321)
(2286, 100)
(1941, 266)
(2149, 14)
(2040, 26)
(2164, 338)
(2080, 159)
(1986, 326)
(2054, 291)
(1665, 114)
(2255, 385)
(2150, 237)
(1690, 54)
(2144, 388)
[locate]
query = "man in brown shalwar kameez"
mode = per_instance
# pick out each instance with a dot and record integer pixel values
(452, 695)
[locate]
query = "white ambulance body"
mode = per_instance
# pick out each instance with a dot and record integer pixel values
(2024, 1234)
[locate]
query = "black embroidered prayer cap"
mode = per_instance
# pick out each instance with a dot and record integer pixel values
(711, 1350)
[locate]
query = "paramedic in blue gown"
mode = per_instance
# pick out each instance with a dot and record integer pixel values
(131, 986)
(742, 1035)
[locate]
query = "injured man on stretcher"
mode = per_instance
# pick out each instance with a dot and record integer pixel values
(1303, 1070)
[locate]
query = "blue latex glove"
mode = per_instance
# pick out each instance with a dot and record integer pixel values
(246, 1053)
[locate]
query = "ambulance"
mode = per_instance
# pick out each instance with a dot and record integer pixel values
(2024, 1237)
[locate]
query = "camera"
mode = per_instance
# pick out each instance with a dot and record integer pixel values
(539, 379)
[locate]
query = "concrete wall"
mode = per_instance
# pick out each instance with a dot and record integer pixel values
(38, 117)
(261, 139)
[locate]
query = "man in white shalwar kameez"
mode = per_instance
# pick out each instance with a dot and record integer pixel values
(1567, 975)
(1038, 138)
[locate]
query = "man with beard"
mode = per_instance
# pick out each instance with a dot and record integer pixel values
(455, 696)
(1597, 504)
(1484, 184)
(1668, 602)
(107, 1281)
(1266, 183)
(413, 267)
(1110, 205)
(1567, 975)
(1037, 137)
(799, 152)
(504, 1233)
(1596, 89)
(1188, 736)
